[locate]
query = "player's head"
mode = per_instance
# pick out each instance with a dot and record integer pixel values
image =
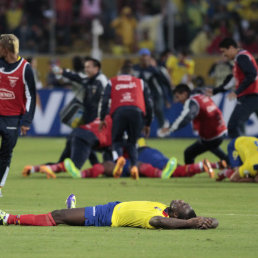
(91, 66)
(181, 210)
(127, 67)
(9, 43)
(145, 57)
(181, 93)
(228, 48)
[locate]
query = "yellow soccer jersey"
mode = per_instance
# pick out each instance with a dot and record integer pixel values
(247, 148)
(137, 213)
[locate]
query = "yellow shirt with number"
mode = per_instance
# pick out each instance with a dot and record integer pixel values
(136, 213)
(247, 148)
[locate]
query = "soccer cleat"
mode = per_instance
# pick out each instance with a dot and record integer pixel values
(220, 176)
(26, 170)
(222, 164)
(71, 202)
(169, 168)
(134, 173)
(71, 169)
(3, 218)
(208, 169)
(47, 170)
(117, 171)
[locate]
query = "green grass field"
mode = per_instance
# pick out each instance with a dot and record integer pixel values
(234, 205)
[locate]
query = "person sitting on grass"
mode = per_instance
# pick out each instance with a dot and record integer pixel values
(140, 214)
(243, 157)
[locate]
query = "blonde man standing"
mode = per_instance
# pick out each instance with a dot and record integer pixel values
(17, 99)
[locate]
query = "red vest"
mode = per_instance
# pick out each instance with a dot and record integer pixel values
(105, 135)
(239, 76)
(126, 90)
(209, 122)
(12, 91)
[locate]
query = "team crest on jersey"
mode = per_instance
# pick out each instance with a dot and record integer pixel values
(157, 208)
(126, 97)
(6, 94)
(13, 80)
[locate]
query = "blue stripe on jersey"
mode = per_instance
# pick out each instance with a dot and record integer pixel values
(234, 161)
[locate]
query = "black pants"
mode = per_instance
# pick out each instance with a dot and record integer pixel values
(245, 106)
(9, 130)
(79, 146)
(127, 120)
(202, 146)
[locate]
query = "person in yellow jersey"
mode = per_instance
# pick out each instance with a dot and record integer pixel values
(140, 214)
(243, 157)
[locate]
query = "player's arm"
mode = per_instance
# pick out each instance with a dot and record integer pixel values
(174, 223)
(30, 94)
(238, 179)
(76, 77)
(104, 109)
(227, 84)
(189, 112)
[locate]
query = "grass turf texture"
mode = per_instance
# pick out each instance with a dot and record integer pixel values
(234, 205)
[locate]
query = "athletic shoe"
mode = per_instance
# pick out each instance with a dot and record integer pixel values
(169, 168)
(222, 164)
(208, 169)
(26, 170)
(48, 171)
(71, 169)
(117, 171)
(3, 218)
(71, 202)
(134, 173)
(220, 176)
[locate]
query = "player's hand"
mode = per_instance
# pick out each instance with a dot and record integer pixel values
(232, 95)
(208, 92)
(204, 223)
(102, 125)
(146, 131)
(57, 70)
(24, 129)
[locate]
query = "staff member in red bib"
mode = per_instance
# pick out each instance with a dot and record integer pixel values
(17, 99)
(207, 120)
(131, 108)
(245, 80)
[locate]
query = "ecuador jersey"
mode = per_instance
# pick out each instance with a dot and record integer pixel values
(137, 213)
(246, 148)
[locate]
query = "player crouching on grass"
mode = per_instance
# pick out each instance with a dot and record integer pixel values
(243, 157)
(140, 214)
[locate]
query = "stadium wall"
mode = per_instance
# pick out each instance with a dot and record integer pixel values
(47, 121)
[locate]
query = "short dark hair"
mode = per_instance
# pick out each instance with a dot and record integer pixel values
(227, 43)
(127, 67)
(187, 215)
(95, 62)
(180, 88)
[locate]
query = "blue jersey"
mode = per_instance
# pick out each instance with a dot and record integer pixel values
(99, 215)
(150, 156)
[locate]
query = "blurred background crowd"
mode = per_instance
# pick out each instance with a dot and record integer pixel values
(61, 26)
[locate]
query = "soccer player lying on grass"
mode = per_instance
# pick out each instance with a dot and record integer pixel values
(140, 214)
(79, 145)
(151, 163)
(243, 157)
